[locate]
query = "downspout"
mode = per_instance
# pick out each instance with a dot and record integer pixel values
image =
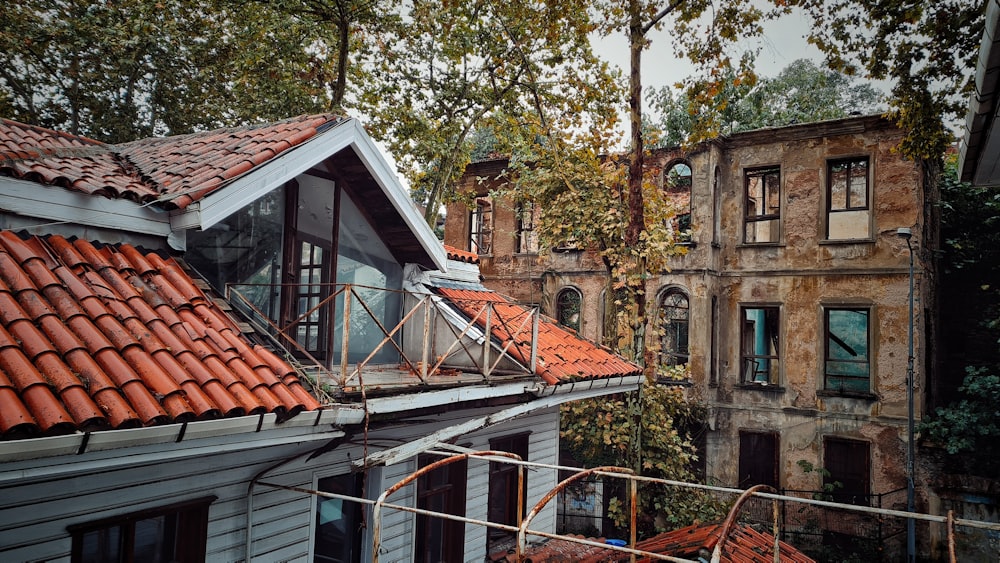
(249, 520)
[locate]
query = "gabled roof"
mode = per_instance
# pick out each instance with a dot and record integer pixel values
(99, 338)
(204, 177)
(563, 355)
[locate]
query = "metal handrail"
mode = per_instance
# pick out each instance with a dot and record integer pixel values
(479, 317)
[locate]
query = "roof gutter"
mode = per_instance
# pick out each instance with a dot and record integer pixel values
(312, 425)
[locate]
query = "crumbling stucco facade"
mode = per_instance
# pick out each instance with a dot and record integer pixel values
(797, 292)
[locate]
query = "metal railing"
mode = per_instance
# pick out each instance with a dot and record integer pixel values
(355, 327)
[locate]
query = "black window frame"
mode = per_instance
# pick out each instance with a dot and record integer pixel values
(759, 459)
(191, 535)
(848, 470)
(503, 487)
(350, 484)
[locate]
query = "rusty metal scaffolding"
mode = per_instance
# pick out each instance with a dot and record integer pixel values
(522, 531)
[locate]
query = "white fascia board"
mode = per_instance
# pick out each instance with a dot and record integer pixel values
(347, 135)
(229, 199)
(387, 179)
(55, 204)
(72, 444)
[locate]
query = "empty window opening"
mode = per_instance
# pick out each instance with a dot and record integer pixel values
(848, 195)
(762, 223)
(759, 346)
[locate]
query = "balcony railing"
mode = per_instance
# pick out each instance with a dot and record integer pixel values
(392, 337)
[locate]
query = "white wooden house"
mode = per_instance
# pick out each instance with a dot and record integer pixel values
(176, 379)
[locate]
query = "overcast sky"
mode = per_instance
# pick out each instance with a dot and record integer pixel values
(783, 42)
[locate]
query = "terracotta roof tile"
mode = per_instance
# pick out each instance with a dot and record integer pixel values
(94, 338)
(461, 255)
(562, 354)
(174, 170)
(744, 545)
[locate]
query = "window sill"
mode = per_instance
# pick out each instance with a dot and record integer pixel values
(862, 395)
(760, 245)
(526, 254)
(674, 382)
(562, 250)
(770, 387)
(846, 241)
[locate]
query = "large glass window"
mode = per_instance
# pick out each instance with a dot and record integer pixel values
(762, 222)
(244, 248)
(848, 197)
(759, 345)
(848, 363)
(365, 261)
(568, 308)
(175, 533)
(338, 521)
(673, 325)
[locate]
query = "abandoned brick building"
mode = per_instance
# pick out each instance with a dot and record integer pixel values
(790, 306)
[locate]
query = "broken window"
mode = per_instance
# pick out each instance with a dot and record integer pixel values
(338, 521)
(673, 325)
(174, 533)
(526, 238)
(759, 345)
(481, 227)
(677, 185)
(758, 459)
(848, 197)
(848, 363)
(568, 303)
(762, 222)
(503, 499)
(848, 470)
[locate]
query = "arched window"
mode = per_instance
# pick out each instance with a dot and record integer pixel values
(568, 308)
(673, 324)
(677, 185)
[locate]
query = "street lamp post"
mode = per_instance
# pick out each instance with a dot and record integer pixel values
(911, 540)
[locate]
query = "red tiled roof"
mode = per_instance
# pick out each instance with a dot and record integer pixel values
(562, 354)
(95, 338)
(175, 170)
(744, 545)
(461, 255)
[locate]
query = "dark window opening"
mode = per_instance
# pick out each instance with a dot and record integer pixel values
(673, 325)
(759, 345)
(503, 500)
(165, 535)
(568, 308)
(442, 490)
(758, 459)
(848, 470)
(677, 186)
(762, 222)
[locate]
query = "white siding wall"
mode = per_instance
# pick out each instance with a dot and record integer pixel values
(39, 499)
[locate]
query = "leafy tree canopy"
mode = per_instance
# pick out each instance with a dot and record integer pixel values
(801, 93)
